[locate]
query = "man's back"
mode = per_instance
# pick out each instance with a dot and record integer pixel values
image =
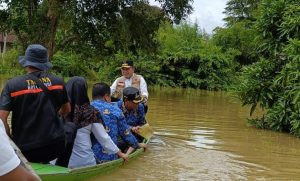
(115, 126)
(32, 109)
(110, 116)
(36, 128)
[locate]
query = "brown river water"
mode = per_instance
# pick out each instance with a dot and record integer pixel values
(201, 135)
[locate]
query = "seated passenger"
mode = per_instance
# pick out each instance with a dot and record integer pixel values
(114, 122)
(132, 108)
(88, 121)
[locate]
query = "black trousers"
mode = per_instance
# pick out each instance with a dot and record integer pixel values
(46, 153)
(63, 159)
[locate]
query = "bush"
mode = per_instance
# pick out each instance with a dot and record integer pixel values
(9, 63)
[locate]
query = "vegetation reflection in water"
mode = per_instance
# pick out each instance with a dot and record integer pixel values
(201, 135)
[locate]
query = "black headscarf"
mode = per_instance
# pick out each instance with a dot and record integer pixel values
(82, 113)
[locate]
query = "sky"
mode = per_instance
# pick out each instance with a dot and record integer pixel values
(207, 13)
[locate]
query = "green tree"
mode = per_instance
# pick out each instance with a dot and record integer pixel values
(189, 60)
(240, 10)
(88, 22)
(137, 27)
(241, 37)
(273, 82)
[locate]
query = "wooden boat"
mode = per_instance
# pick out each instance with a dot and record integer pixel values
(49, 172)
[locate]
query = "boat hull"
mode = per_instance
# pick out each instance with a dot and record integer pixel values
(49, 172)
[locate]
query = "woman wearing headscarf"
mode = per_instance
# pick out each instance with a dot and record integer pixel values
(87, 119)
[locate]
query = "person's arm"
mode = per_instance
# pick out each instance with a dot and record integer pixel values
(141, 120)
(104, 139)
(125, 133)
(113, 87)
(5, 106)
(123, 155)
(19, 174)
(3, 116)
(143, 89)
(129, 150)
(64, 109)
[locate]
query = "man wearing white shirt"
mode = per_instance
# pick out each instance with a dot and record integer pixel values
(10, 168)
(129, 79)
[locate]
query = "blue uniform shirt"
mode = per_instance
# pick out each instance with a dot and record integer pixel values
(134, 117)
(115, 126)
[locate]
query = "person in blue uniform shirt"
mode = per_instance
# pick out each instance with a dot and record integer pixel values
(114, 123)
(132, 108)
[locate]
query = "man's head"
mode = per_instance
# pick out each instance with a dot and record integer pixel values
(127, 68)
(101, 91)
(36, 56)
(131, 98)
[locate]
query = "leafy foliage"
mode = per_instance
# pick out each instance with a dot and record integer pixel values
(90, 23)
(190, 61)
(273, 82)
(240, 37)
(279, 21)
(240, 10)
(9, 63)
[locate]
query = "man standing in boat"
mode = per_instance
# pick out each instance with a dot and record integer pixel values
(114, 122)
(36, 129)
(129, 79)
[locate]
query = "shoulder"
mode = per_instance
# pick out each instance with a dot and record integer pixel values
(119, 103)
(102, 106)
(16, 83)
(17, 79)
(140, 106)
(120, 78)
(96, 104)
(53, 77)
(138, 76)
(115, 110)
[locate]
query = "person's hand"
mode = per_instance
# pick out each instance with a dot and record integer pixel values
(135, 129)
(123, 155)
(143, 145)
(144, 100)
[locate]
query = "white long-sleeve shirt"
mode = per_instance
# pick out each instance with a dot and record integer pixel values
(128, 83)
(82, 154)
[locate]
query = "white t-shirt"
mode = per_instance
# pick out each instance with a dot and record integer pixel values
(8, 158)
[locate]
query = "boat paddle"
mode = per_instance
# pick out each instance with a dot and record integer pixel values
(145, 131)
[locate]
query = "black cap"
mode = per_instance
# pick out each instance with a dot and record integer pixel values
(127, 64)
(132, 94)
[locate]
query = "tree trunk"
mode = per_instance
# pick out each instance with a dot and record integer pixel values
(53, 16)
(1, 46)
(4, 44)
